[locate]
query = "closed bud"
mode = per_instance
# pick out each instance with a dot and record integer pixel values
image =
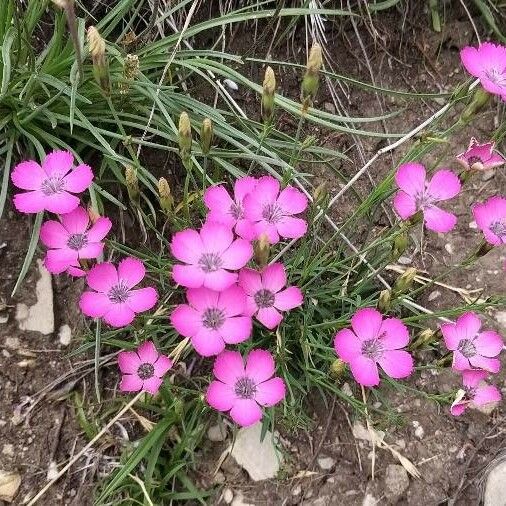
(62, 4)
(480, 100)
(100, 64)
(404, 281)
(425, 337)
(268, 91)
(384, 300)
(320, 192)
(399, 246)
(262, 250)
(93, 215)
(311, 78)
(132, 184)
(166, 199)
(185, 136)
(314, 61)
(338, 368)
(206, 136)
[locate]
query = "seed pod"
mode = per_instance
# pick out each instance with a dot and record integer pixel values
(338, 368)
(384, 300)
(268, 92)
(165, 196)
(100, 63)
(185, 136)
(262, 250)
(404, 281)
(399, 246)
(132, 184)
(311, 78)
(206, 136)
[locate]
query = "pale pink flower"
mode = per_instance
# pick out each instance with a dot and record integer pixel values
(271, 212)
(52, 185)
(209, 254)
(242, 390)
(480, 156)
(418, 194)
(490, 216)
(476, 392)
(265, 294)
(471, 348)
(488, 63)
(72, 239)
(212, 319)
(114, 299)
(143, 369)
(374, 341)
(223, 209)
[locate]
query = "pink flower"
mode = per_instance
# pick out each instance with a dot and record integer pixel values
(265, 297)
(223, 209)
(476, 392)
(418, 194)
(143, 369)
(480, 156)
(212, 319)
(488, 64)
(471, 348)
(271, 212)
(114, 300)
(209, 254)
(242, 390)
(490, 216)
(72, 240)
(52, 185)
(374, 341)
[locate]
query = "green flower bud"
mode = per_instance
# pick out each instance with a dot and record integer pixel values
(311, 78)
(384, 301)
(185, 136)
(269, 89)
(480, 100)
(206, 136)
(262, 250)
(166, 199)
(338, 369)
(132, 184)
(404, 281)
(399, 246)
(100, 63)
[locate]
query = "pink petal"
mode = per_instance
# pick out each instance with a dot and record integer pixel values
(58, 163)
(28, 175)
(202, 298)
(471, 60)
(29, 202)
(250, 280)
(451, 335)
(216, 237)
(232, 300)
(220, 396)
(119, 315)
(236, 330)
(131, 271)
(251, 306)
(270, 230)
(274, 277)
(495, 160)
(397, 363)
(458, 407)
(79, 179)
(404, 205)
(266, 192)
(91, 250)
(186, 320)
(94, 304)
(460, 363)
(486, 395)
(76, 222)
(394, 334)
(365, 371)
(219, 202)
(292, 201)
(489, 343)
(59, 260)
(472, 378)
(438, 220)
(147, 352)
(270, 392)
(128, 362)
(288, 299)
(130, 383)
(468, 325)
(269, 316)
(492, 365)
(245, 230)
(410, 177)
(243, 186)
(61, 203)
(142, 299)
(152, 385)
(291, 228)
(228, 367)
(366, 323)
(347, 345)
(99, 229)
(237, 255)
(245, 412)
(190, 276)
(53, 235)
(208, 342)
(444, 185)
(259, 366)
(102, 277)
(187, 246)
(76, 271)
(219, 280)
(162, 365)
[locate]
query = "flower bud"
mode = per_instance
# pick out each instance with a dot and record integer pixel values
(404, 281)
(185, 136)
(132, 184)
(269, 89)
(93, 215)
(206, 136)
(480, 100)
(262, 250)
(384, 300)
(399, 246)
(100, 63)
(425, 337)
(320, 193)
(337, 368)
(311, 78)
(166, 199)
(62, 4)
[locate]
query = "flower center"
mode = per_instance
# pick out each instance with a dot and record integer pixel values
(264, 298)
(372, 348)
(146, 371)
(210, 262)
(474, 159)
(245, 388)
(272, 213)
(496, 76)
(213, 318)
(118, 293)
(236, 211)
(467, 348)
(423, 199)
(499, 229)
(52, 185)
(77, 241)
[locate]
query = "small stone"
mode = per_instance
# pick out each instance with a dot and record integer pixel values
(473, 225)
(65, 335)
(329, 107)
(6, 354)
(326, 463)
(449, 248)
(401, 443)
(346, 389)
(487, 174)
(495, 488)
(369, 500)
(239, 500)
(419, 432)
(219, 478)
(12, 343)
(8, 450)
(434, 295)
(396, 481)
(404, 260)
(52, 471)
(9, 485)
(228, 495)
(297, 490)
(500, 316)
(217, 433)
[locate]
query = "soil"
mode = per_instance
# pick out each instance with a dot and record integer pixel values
(450, 453)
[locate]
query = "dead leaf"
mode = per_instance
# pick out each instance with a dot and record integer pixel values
(9, 485)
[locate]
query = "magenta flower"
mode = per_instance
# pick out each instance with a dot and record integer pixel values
(143, 369)
(212, 319)
(265, 294)
(72, 240)
(490, 216)
(51, 186)
(476, 392)
(242, 390)
(114, 300)
(488, 64)
(223, 209)
(374, 341)
(209, 254)
(271, 212)
(471, 348)
(480, 156)
(418, 194)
